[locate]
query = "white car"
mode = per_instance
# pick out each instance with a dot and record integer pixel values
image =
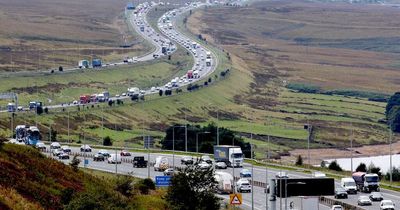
(41, 146)
(55, 145)
(86, 148)
(364, 200)
(243, 185)
(220, 165)
(114, 159)
(337, 207)
(387, 205)
(104, 153)
(66, 149)
(204, 165)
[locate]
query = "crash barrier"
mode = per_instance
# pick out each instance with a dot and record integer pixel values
(330, 202)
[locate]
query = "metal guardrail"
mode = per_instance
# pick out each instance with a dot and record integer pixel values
(330, 202)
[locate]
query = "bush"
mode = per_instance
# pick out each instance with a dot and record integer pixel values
(160, 92)
(361, 168)
(304, 88)
(75, 163)
(145, 185)
(299, 161)
(60, 68)
(107, 141)
(335, 166)
(374, 170)
(323, 164)
(124, 186)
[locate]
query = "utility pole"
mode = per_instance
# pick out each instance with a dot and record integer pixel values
(186, 139)
(266, 177)
(173, 147)
(390, 154)
(252, 175)
(218, 127)
(148, 156)
(351, 148)
(69, 140)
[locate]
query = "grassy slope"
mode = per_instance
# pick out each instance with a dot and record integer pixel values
(333, 116)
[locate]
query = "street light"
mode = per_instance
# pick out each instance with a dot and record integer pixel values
(173, 143)
(291, 183)
(197, 140)
(308, 127)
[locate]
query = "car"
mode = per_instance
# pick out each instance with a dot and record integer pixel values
(337, 207)
(55, 145)
(243, 185)
(206, 158)
(340, 192)
(187, 160)
(123, 94)
(117, 96)
(114, 159)
(387, 205)
(56, 152)
(41, 146)
(66, 148)
(282, 175)
(104, 152)
(63, 156)
(169, 172)
(364, 201)
(75, 102)
(86, 148)
(221, 165)
(204, 165)
(376, 196)
(125, 153)
(245, 173)
(99, 157)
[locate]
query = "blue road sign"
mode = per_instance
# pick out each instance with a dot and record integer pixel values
(86, 162)
(163, 181)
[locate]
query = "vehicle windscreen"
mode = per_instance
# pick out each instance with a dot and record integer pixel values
(237, 155)
(372, 179)
(350, 184)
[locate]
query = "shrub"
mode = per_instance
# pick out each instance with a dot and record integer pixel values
(124, 186)
(304, 88)
(395, 174)
(299, 160)
(335, 166)
(145, 185)
(75, 163)
(107, 141)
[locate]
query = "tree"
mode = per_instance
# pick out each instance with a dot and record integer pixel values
(39, 110)
(209, 80)
(46, 110)
(361, 168)
(395, 174)
(299, 161)
(160, 92)
(193, 188)
(394, 118)
(374, 170)
(107, 141)
(75, 163)
(335, 166)
(394, 100)
(169, 57)
(145, 185)
(60, 68)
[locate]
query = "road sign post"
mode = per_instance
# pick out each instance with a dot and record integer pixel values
(235, 199)
(163, 181)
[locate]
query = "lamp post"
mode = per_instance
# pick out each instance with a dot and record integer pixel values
(291, 183)
(197, 140)
(308, 128)
(173, 143)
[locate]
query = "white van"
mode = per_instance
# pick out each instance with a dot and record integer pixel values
(161, 163)
(349, 185)
(114, 159)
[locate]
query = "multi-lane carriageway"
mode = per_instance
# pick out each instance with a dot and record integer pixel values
(259, 176)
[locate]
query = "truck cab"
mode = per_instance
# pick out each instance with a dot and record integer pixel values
(231, 155)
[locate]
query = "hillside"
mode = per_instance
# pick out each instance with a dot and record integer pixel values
(29, 180)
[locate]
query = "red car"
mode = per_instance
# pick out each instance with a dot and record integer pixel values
(125, 153)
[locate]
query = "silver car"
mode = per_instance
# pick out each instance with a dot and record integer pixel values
(364, 201)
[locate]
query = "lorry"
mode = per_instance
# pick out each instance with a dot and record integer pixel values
(190, 74)
(139, 162)
(161, 164)
(35, 104)
(142, 28)
(366, 182)
(96, 63)
(84, 99)
(231, 155)
(225, 182)
(208, 62)
(133, 91)
(349, 185)
(11, 107)
(32, 136)
(83, 64)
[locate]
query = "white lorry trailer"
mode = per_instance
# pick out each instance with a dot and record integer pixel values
(231, 155)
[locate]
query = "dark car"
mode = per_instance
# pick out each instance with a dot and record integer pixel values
(99, 157)
(376, 196)
(340, 193)
(206, 159)
(187, 160)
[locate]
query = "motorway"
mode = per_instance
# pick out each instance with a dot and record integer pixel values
(259, 175)
(169, 37)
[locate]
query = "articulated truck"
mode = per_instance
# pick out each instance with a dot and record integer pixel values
(366, 182)
(231, 155)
